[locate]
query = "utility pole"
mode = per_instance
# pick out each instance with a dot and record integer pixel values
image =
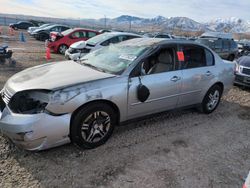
(105, 22)
(130, 24)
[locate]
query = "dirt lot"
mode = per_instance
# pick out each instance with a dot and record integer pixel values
(174, 149)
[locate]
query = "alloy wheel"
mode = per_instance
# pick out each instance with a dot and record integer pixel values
(95, 126)
(213, 100)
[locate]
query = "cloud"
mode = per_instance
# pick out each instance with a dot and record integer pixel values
(199, 10)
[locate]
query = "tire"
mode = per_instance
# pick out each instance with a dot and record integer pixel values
(62, 49)
(93, 125)
(211, 99)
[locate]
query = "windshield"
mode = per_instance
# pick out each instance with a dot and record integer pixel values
(98, 38)
(113, 59)
(44, 25)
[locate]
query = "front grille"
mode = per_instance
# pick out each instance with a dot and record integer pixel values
(239, 78)
(85, 50)
(6, 96)
(2, 104)
(246, 71)
(73, 51)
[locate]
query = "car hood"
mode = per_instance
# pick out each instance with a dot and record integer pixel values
(244, 61)
(53, 76)
(78, 45)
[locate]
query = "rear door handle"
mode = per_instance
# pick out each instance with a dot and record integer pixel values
(208, 73)
(175, 78)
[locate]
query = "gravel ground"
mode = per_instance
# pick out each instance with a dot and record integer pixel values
(174, 149)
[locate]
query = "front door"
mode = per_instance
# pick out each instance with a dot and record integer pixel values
(162, 78)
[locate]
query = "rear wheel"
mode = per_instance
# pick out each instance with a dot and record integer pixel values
(211, 99)
(93, 125)
(62, 49)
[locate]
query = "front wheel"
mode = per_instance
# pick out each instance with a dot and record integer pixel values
(211, 99)
(62, 49)
(93, 125)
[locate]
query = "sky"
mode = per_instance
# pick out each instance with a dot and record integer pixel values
(199, 10)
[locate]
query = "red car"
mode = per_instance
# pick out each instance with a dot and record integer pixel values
(59, 42)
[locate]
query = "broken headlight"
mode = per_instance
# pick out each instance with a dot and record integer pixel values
(29, 102)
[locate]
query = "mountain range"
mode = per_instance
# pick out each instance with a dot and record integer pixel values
(233, 25)
(158, 23)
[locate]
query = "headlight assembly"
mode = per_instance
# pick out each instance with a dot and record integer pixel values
(29, 102)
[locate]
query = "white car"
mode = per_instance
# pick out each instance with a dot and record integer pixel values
(81, 48)
(31, 29)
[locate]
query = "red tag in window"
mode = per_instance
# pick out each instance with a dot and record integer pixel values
(180, 56)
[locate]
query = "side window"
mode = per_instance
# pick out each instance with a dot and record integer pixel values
(218, 44)
(112, 40)
(131, 37)
(122, 38)
(209, 58)
(194, 57)
(226, 45)
(79, 34)
(91, 34)
(54, 29)
(64, 29)
(161, 61)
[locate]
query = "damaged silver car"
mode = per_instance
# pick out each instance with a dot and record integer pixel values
(82, 101)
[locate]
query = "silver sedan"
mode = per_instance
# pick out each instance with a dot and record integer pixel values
(83, 101)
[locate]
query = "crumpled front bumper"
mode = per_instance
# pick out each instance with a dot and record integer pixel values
(35, 131)
(72, 56)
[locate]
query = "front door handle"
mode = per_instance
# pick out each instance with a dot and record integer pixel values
(175, 78)
(208, 73)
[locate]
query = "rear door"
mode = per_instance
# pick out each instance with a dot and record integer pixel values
(162, 78)
(197, 72)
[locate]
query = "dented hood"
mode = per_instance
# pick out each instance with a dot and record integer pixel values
(52, 76)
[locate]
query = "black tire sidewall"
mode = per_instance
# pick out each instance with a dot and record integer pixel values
(75, 128)
(206, 99)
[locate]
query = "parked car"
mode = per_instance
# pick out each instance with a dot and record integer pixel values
(60, 42)
(82, 101)
(158, 35)
(31, 29)
(243, 49)
(21, 25)
(225, 47)
(79, 49)
(242, 71)
(5, 54)
(44, 33)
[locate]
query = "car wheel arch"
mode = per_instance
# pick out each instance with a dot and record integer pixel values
(103, 101)
(220, 84)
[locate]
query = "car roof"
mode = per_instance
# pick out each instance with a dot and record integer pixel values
(157, 41)
(79, 28)
(117, 33)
